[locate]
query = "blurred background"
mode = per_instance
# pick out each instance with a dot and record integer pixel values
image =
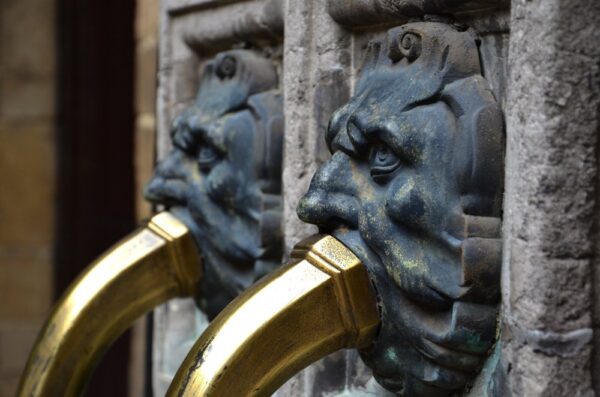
(77, 93)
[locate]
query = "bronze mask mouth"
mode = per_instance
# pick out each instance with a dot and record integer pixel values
(169, 192)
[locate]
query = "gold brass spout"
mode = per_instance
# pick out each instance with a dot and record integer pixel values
(321, 302)
(153, 264)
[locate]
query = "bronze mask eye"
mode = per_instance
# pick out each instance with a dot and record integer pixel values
(207, 156)
(184, 140)
(383, 162)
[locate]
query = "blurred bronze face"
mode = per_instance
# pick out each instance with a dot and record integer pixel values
(222, 177)
(414, 188)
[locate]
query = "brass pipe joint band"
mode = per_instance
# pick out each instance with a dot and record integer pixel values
(182, 249)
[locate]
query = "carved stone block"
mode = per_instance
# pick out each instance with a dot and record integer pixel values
(372, 12)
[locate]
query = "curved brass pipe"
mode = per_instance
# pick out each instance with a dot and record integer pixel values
(321, 302)
(153, 264)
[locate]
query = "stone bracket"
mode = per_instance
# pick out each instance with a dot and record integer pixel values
(363, 13)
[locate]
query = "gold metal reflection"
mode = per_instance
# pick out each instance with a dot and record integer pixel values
(152, 265)
(321, 302)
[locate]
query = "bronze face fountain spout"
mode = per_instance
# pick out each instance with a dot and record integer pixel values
(221, 183)
(150, 266)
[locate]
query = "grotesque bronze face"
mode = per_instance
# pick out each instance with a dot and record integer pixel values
(222, 177)
(414, 188)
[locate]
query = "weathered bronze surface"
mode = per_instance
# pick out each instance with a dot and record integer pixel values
(223, 176)
(152, 265)
(414, 189)
(322, 301)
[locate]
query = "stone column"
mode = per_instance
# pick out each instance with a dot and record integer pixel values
(551, 205)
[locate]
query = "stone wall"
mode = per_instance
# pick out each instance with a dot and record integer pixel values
(550, 270)
(27, 171)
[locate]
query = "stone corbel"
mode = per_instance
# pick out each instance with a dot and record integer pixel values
(257, 22)
(362, 13)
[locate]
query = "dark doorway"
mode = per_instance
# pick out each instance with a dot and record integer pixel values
(95, 150)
